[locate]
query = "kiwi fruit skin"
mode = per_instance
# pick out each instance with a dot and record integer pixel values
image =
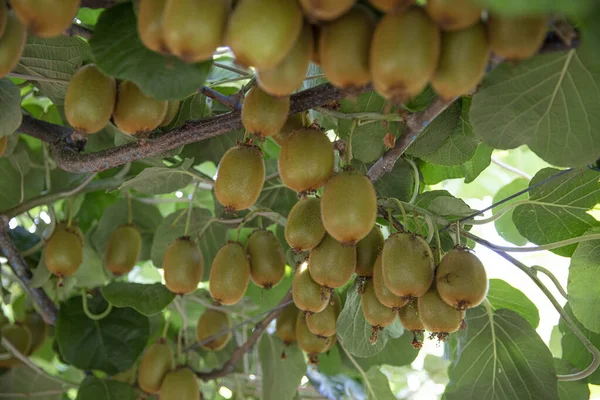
(19, 336)
(344, 49)
(157, 361)
(180, 384)
(3, 145)
(306, 160)
(349, 207)
(230, 274)
(193, 29)
(37, 328)
(46, 18)
(390, 5)
(12, 43)
(308, 295)
(407, 264)
(213, 322)
(262, 32)
(463, 60)
(294, 122)
(149, 25)
(367, 251)
(135, 113)
(90, 100)
(437, 316)
(404, 54)
(308, 341)
(323, 324)
(262, 114)
(409, 317)
(461, 279)
(63, 253)
(285, 326)
(183, 266)
(267, 259)
(304, 229)
(375, 313)
(325, 10)
(290, 73)
(172, 111)
(332, 264)
(384, 295)
(240, 177)
(516, 38)
(454, 15)
(123, 249)
(3, 17)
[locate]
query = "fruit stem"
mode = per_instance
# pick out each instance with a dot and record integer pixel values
(90, 315)
(457, 232)
(402, 210)
(438, 244)
(561, 290)
(166, 327)
(189, 211)
(367, 383)
(70, 219)
(349, 143)
(417, 179)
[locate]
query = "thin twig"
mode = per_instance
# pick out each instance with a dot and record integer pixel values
(553, 278)
(512, 169)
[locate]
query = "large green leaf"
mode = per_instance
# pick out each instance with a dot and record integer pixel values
(21, 382)
(10, 107)
(518, 7)
(500, 356)
(442, 203)
(16, 186)
(574, 351)
(161, 180)
(377, 386)
(434, 174)
(213, 148)
(574, 390)
(145, 299)
(104, 389)
(559, 208)
(397, 352)
(503, 295)
(436, 132)
(193, 107)
(398, 183)
(505, 225)
(281, 376)
(277, 197)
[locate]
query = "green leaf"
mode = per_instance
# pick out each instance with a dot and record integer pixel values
(24, 383)
(502, 295)
(574, 390)
(213, 148)
(161, 180)
(517, 7)
(277, 197)
(560, 208)
(436, 132)
(193, 107)
(500, 356)
(10, 108)
(94, 388)
(92, 271)
(111, 344)
(505, 225)
(583, 288)
(397, 352)
(281, 376)
(434, 174)
(145, 299)
(442, 203)
(12, 182)
(378, 386)
(269, 299)
(330, 363)
(398, 183)
(574, 351)
(120, 53)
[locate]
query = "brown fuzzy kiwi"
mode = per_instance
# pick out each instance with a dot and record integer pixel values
(308, 295)
(409, 317)
(267, 259)
(306, 160)
(123, 249)
(461, 279)
(157, 361)
(308, 341)
(211, 323)
(262, 114)
(349, 207)
(3, 17)
(172, 111)
(367, 251)
(454, 15)
(438, 317)
(183, 266)
(404, 54)
(135, 113)
(391, 5)
(240, 177)
(384, 295)
(376, 314)
(293, 123)
(325, 10)
(262, 32)
(180, 384)
(63, 253)
(332, 264)
(37, 328)
(229, 274)
(12, 43)
(304, 229)
(3, 145)
(19, 336)
(516, 38)
(323, 323)
(46, 18)
(149, 25)
(285, 327)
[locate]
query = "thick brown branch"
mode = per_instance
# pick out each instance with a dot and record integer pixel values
(232, 102)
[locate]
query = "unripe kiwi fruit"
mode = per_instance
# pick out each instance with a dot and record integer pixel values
(3, 17)
(267, 259)
(304, 229)
(308, 341)
(172, 111)
(229, 274)
(391, 5)
(240, 177)
(463, 60)
(37, 328)
(407, 265)
(262, 32)
(136, 113)
(262, 114)
(367, 251)
(323, 323)
(149, 24)
(438, 317)
(516, 38)
(19, 336)
(63, 253)
(375, 313)
(461, 279)
(183, 266)
(308, 295)
(46, 18)
(90, 100)
(404, 54)
(293, 123)
(211, 323)
(384, 295)
(344, 49)
(193, 29)
(3, 145)
(326, 10)
(349, 207)
(285, 327)
(332, 264)
(12, 43)
(306, 160)
(453, 15)
(409, 316)
(123, 249)
(157, 361)
(180, 384)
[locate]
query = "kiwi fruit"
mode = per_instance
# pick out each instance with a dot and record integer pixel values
(438, 317)
(262, 32)
(454, 15)
(461, 279)
(183, 266)
(267, 259)
(367, 251)
(157, 361)
(404, 54)
(391, 5)
(407, 265)
(308, 341)
(37, 328)
(12, 43)
(409, 316)
(331, 263)
(172, 111)
(325, 10)
(211, 323)
(3, 17)
(19, 336)
(376, 314)
(323, 323)
(46, 18)
(384, 295)
(149, 24)
(344, 49)
(123, 249)
(306, 160)
(180, 384)
(3, 145)
(308, 295)
(294, 122)
(229, 274)
(63, 253)
(262, 114)
(240, 177)
(90, 100)
(135, 113)
(193, 29)
(516, 38)
(285, 327)
(349, 207)
(304, 229)
(463, 60)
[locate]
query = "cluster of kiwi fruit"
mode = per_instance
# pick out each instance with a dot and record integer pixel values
(27, 336)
